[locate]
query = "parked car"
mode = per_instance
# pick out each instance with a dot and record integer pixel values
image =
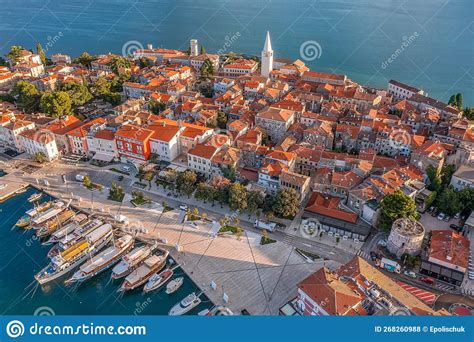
(183, 207)
(126, 168)
(432, 208)
(447, 218)
(454, 226)
(410, 274)
(427, 280)
(441, 216)
(457, 216)
(120, 178)
(382, 243)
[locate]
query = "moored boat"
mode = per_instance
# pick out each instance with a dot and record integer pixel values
(187, 304)
(131, 261)
(72, 257)
(103, 260)
(51, 225)
(71, 238)
(56, 209)
(174, 285)
(23, 222)
(38, 209)
(158, 279)
(138, 277)
(35, 197)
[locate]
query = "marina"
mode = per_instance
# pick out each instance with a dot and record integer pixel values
(96, 296)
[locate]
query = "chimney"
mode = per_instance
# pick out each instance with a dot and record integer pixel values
(150, 46)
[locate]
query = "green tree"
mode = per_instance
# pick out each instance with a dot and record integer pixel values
(449, 202)
(395, 206)
(40, 157)
(85, 59)
(207, 68)
(435, 180)
(238, 197)
(459, 100)
(145, 62)
(116, 192)
(156, 107)
(453, 101)
(222, 119)
(255, 201)
(56, 104)
(229, 172)
(286, 203)
(466, 198)
(203, 50)
(15, 53)
(446, 173)
(87, 182)
(78, 92)
(119, 64)
(186, 182)
(468, 113)
(41, 53)
(100, 87)
(26, 96)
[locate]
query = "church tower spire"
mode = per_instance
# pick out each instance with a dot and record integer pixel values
(267, 57)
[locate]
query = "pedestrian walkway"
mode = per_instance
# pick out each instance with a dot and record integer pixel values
(363, 254)
(425, 296)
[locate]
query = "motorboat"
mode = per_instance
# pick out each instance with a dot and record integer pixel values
(174, 285)
(35, 197)
(103, 260)
(157, 280)
(187, 304)
(56, 209)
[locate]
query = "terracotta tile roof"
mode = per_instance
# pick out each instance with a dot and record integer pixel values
(330, 293)
(105, 134)
(448, 246)
(134, 132)
(203, 151)
(329, 206)
(276, 114)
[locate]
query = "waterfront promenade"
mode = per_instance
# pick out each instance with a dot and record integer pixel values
(254, 277)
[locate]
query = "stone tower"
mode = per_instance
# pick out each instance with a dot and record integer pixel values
(267, 57)
(194, 47)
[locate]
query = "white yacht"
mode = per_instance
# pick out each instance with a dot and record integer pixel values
(186, 305)
(174, 285)
(131, 261)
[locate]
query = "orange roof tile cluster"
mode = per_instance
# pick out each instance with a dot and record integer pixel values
(329, 206)
(449, 247)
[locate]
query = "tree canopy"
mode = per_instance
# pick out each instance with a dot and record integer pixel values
(79, 93)
(56, 104)
(395, 206)
(26, 95)
(286, 203)
(15, 53)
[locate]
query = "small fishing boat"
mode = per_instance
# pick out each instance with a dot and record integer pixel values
(103, 260)
(35, 197)
(187, 304)
(131, 261)
(149, 267)
(174, 285)
(157, 280)
(20, 191)
(38, 209)
(23, 222)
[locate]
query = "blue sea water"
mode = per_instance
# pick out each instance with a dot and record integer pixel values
(356, 37)
(22, 256)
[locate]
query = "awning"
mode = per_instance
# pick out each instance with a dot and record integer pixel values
(105, 157)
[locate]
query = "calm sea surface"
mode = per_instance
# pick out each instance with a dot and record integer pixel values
(356, 37)
(22, 256)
